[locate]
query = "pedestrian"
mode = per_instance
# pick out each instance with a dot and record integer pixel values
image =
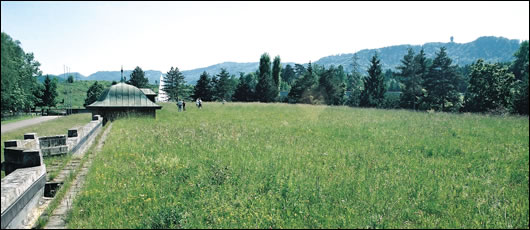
(184, 105)
(197, 102)
(179, 104)
(200, 103)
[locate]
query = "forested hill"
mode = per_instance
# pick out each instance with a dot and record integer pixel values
(491, 49)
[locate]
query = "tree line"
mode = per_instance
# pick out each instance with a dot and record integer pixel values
(419, 83)
(19, 71)
(422, 84)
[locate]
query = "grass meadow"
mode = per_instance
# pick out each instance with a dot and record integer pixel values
(252, 165)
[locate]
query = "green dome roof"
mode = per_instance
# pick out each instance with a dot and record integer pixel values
(123, 95)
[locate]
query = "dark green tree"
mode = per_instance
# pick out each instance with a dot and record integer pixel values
(173, 84)
(373, 94)
(288, 74)
(245, 88)
(489, 88)
(299, 70)
(224, 87)
(519, 68)
(441, 84)
(70, 79)
(19, 71)
(301, 91)
(413, 69)
(330, 88)
(138, 78)
(265, 88)
(276, 72)
(203, 88)
(49, 93)
(93, 93)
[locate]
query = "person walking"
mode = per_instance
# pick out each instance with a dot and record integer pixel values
(200, 103)
(179, 105)
(184, 105)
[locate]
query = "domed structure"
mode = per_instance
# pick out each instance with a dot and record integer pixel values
(123, 100)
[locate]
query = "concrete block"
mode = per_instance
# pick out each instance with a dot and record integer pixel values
(16, 158)
(30, 136)
(52, 141)
(12, 143)
(73, 132)
(53, 151)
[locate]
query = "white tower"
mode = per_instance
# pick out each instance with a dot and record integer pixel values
(162, 95)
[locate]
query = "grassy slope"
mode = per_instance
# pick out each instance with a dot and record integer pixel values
(298, 166)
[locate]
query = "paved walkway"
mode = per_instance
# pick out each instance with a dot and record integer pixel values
(20, 124)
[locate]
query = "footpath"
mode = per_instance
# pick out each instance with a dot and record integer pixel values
(20, 124)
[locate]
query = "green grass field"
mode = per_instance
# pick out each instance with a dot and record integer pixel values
(252, 165)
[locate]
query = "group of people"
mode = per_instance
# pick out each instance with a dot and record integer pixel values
(181, 104)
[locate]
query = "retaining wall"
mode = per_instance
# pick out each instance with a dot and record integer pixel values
(25, 179)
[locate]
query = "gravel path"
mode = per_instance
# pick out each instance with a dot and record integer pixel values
(19, 124)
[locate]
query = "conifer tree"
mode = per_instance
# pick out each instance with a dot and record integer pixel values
(203, 88)
(138, 78)
(441, 84)
(374, 85)
(265, 87)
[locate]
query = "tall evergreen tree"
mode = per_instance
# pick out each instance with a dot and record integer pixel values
(413, 69)
(138, 78)
(224, 89)
(441, 84)
(203, 88)
(173, 84)
(245, 88)
(265, 87)
(276, 71)
(49, 93)
(373, 94)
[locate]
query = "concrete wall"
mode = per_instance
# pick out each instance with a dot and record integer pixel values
(25, 178)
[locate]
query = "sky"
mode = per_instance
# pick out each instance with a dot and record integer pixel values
(103, 36)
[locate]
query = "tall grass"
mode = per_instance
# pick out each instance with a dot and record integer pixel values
(252, 165)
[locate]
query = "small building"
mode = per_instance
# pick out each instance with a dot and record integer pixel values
(123, 100)
(149, 93)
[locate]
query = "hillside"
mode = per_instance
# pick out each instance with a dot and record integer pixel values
(489, 48)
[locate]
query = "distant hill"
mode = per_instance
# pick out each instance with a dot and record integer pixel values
(489, 48)
(193, 75)
(152, 75)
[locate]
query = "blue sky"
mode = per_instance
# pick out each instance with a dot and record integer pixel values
(102, 36)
